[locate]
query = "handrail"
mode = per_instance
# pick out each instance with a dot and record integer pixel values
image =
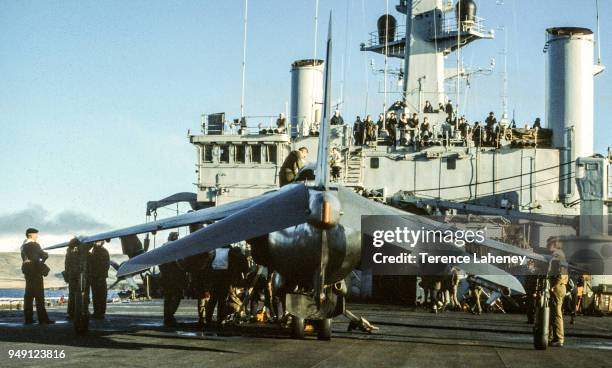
(448, 27)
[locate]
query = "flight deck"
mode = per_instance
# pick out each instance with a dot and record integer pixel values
(133, 335)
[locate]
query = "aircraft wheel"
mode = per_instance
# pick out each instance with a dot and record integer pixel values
(297, 327)
(81, 310)
(324, 332)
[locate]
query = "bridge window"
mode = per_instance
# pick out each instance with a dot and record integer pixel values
(256, 154)
(271, 153)
(374, 163)
(224, 155)
(239, 153)
(207, 154)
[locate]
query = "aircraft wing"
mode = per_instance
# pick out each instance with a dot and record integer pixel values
(359, 206)
(272, 212)
(355, 206)
(203, 215)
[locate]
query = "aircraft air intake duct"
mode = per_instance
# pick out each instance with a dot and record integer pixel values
(569, 97)
(306, 95)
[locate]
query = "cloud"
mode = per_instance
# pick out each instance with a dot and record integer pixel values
(66, 222)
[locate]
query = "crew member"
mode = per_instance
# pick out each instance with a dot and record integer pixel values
(229, 267)
(446, 292)
(34, 269)
(261, 286)
(220, 284)
(413, 127)
(173, 281)
(281, 123)
(447, 129)
(392, 127)
(558, 282)
(337, 118)
(357, 131)
(449, 108)
(475, 292)
(392, 119)
(463, 127)
(292, 164)
(370, 129)
(380, 123)
(490, 123)
(425, 129)
(98, 264)
(427, 292)
(454, 287)
(402, 125)
(428, 109)
(437, 299)
(477, 134)
(571, 297)
(413, 122)
(403, 121)
(198, 269)
(537, 123)
(335, 163)
(72, 269)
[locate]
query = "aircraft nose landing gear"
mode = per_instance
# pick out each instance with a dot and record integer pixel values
(542, 314)
(81, 306)
(297, 327)
(322, 327)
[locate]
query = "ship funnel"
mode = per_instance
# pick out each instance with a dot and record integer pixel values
(306, 95)
(569, 97)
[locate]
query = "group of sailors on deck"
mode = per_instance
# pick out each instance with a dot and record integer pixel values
(409, 129)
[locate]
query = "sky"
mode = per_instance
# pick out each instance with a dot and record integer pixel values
(96, 98)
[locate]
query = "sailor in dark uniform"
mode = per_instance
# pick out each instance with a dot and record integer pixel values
(173, 281)
(449, 108)
(98, 265)
(198, 268)
(537, 123)
(337, 119)
(220, 284)
(357, 132)
(34, 269)
(292, 164)
(71, 274)
(490, 128)
(281, 124)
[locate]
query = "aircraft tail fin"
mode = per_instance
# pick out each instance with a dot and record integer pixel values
(322, 171)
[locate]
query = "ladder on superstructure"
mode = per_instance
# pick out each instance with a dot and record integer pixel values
(353, 169)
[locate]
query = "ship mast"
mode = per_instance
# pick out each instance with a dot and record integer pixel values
(386, 64)
(407, 52)
(244, 48)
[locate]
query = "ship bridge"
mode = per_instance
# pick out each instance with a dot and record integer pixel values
(237, 163)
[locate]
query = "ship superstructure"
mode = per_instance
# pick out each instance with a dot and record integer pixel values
(525, 169)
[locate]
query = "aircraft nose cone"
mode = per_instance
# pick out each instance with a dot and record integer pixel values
(325, 209)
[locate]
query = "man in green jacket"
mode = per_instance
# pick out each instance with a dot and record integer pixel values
(292, 164)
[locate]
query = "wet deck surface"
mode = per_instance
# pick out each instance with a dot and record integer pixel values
(133, 335)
